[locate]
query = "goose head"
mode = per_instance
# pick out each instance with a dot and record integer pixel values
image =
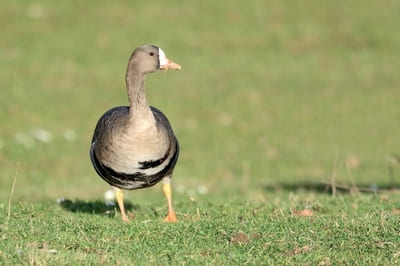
(149, 58)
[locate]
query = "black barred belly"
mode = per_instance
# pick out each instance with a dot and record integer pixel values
(136, 180)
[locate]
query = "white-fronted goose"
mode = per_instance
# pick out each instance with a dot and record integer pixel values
(134, 146)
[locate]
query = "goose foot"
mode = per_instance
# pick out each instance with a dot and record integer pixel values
(120, 199)
(125, 219)
(171, 218)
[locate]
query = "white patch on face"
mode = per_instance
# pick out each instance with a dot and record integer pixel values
(161, 57)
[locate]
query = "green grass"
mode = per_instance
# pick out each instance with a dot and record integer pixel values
(345, 230)
(274, 100)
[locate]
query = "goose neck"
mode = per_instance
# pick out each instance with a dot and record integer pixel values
(135, 87)
(139, 109)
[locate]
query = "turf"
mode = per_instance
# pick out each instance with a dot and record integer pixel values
(345, 230)
(278, 105)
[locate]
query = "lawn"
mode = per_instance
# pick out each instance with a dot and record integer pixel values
(287, 114)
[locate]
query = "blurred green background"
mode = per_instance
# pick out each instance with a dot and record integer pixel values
(272, 93)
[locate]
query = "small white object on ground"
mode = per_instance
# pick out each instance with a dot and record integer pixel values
(109, 195)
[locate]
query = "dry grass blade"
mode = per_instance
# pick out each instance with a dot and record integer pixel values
(302, 213)
(333, 175)
(12, 193)
(240, 238)
(299, 250)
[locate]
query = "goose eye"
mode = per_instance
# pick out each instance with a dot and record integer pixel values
(151, 53)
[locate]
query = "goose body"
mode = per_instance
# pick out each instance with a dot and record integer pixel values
(131, 159)
(134, 146)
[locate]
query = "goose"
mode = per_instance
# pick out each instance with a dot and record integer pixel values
(134, 146)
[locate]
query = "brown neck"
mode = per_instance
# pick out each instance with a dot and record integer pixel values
(136, 94)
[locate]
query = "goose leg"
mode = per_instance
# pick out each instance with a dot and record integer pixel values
(171, 217)
(120, 199)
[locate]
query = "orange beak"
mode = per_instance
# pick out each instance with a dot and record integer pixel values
(170, 65)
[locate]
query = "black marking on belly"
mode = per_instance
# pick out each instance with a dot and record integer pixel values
(154, 163)
(132, 181)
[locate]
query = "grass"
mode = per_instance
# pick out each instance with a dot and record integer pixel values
(274, 101)
(341, 230)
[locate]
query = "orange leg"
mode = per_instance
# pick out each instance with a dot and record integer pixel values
(171, 217)
(120, 199)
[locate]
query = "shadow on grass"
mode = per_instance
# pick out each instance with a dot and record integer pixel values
(97, 207)
(325, 188)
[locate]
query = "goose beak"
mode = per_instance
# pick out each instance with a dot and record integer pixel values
(169, 65)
